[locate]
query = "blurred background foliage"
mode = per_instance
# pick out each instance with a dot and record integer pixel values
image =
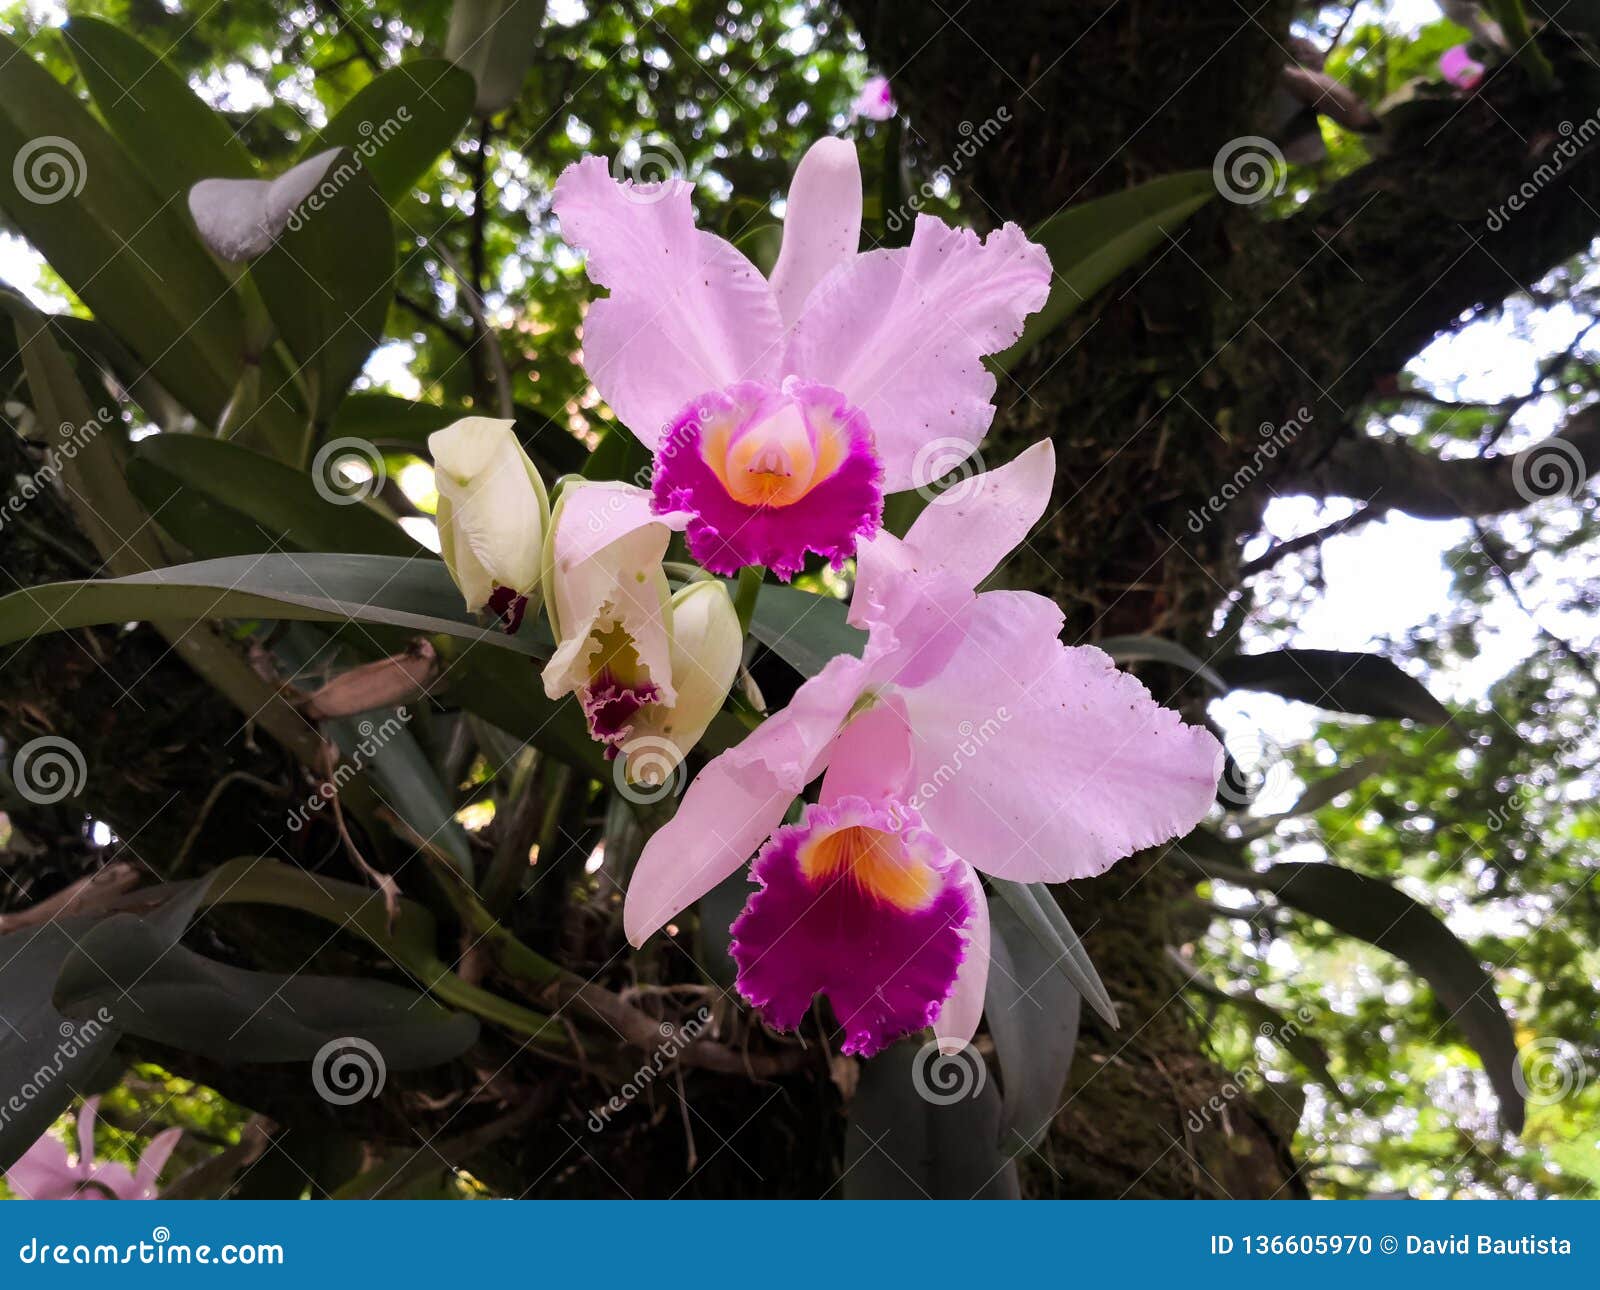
(1490, 821)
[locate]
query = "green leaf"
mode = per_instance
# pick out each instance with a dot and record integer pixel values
(250, 502)
(803, 629)
(1365, 684)
(1036, 907)
(388, 421)
(131, 256)
(495, 40)
(926, 1127)
(1382, 915)
(328, 279)
(1093, 243)
(174, 996)
(45, 1056)
(149, 107)
(400, 123)
(414, 593)
(1032, 1011)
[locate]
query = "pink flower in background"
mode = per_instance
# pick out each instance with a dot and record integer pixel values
(875, 102)
(1460, 68)
(966, 738)
(780, 412)
(44, 1172)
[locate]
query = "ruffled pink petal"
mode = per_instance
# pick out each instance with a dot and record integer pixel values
(902, 334)
(1039, 762)
(609, 707)
(821, 223)
(724, 533)
(886, 967)
(964, 532)
(687, 311)
(725, 816)
(735, 803)
(957, 1021)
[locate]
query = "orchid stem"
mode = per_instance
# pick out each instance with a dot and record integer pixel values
(746, 591)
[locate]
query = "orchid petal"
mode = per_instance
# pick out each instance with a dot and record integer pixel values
(492, 508)
(965, 532)
(687, 311)
(821, 224)
(43, 1172)
(603, 566)
(957, 1021)
(902, 334)
(871, 756)
(154, 1160)
(1040, 762)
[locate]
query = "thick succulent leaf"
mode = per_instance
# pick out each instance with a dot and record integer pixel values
(1366, 684)
(1096, 241)
(1032, 1013)
(803, 629)
(174, 996)
(1037, 909)
(148, 105)
(401, 122)
(414, 593)
(218, 498)
(328, 278)
(926, 1127)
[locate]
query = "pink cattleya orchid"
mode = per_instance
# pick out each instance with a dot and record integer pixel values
(966, 738)
(780, 412)
(1460, 68)
(44, 1171)
(875, 102)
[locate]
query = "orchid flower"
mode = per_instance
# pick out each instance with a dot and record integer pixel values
(966, 738)
(780, 412)
(492, 515)
(875, 102)
(44, 1172)
(645, 664)
(1460, 68)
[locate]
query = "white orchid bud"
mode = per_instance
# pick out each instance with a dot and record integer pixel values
(706, 648)
(609, 605)
(493, 514)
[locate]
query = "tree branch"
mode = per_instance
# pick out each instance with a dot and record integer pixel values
(1394, 475)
